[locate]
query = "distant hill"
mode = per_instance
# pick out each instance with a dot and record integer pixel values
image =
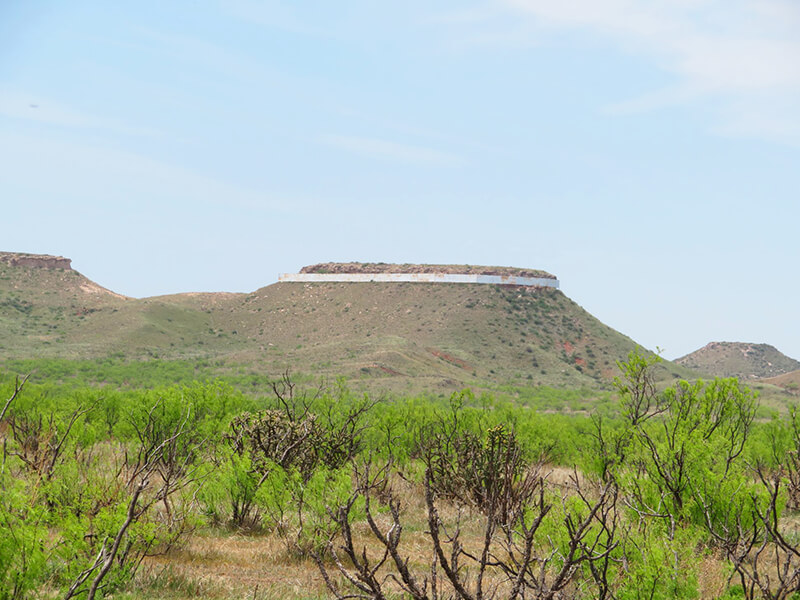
(737, 359)
(395, 336)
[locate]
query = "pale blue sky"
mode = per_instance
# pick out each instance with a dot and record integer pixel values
(646, 152)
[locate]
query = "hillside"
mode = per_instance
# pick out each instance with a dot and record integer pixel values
(736, 359)
(57, 312)
(788, 381)
(43, 306)
(443, 334)
(392, 336)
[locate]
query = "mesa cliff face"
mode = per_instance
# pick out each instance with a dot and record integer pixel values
(357, 268)
(39, 261)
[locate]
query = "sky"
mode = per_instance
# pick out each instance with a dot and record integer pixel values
(645, 152)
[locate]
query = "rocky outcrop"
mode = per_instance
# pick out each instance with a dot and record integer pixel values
(39, 261)
(357, 268)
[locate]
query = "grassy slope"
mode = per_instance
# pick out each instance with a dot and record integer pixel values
(790, 380)
(58, 313)
(439, 333)
(783, 385)
(397, 337)
(42, 309)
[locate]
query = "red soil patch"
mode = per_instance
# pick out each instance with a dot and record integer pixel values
(608, 374)
(451, 359)
(568, 348)
(388, 370)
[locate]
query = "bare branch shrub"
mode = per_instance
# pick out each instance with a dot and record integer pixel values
(156, 469)
(791, 462)
(536, 540)
(18, 385)
(290, 438)
(40, 441)
(764, 556)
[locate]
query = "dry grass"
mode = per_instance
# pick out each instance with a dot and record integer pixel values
(217, 564)
(712, 577)
(222, 565)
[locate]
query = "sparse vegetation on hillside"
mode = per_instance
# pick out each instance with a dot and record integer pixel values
(398, 337)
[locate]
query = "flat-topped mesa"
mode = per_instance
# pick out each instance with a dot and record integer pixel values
(39, 261)
(354, 267)
(394, 273)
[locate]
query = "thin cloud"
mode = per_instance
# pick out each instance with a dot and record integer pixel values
(384, 149)
(745, 53)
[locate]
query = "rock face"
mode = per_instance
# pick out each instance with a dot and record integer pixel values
(357, 268)
(39, 261)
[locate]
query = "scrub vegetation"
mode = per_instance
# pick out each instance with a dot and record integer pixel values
(203, 490)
